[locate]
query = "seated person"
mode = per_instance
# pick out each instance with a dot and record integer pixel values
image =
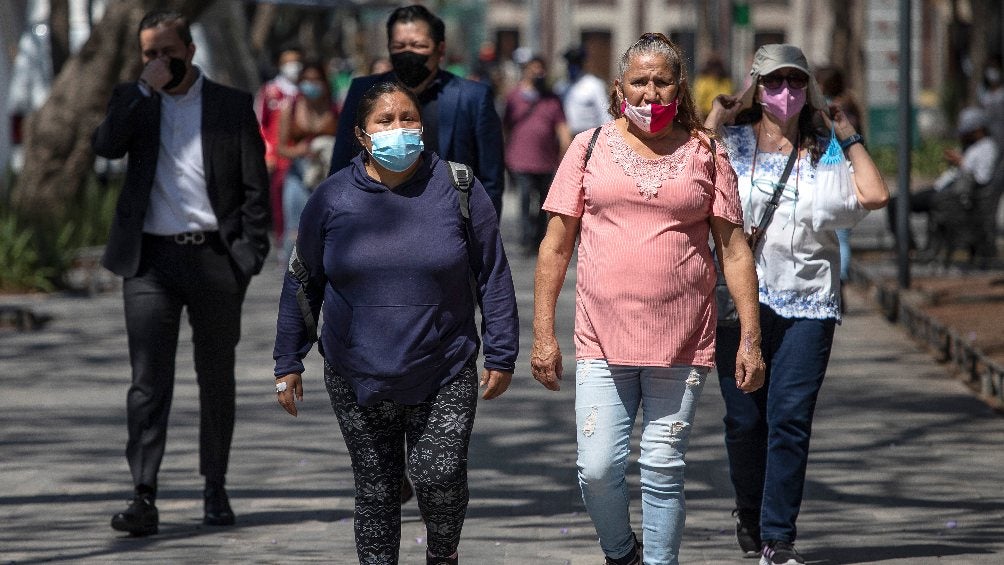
(973, 167)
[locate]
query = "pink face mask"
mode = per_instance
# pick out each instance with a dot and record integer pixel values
(783, 103)
(650, 117)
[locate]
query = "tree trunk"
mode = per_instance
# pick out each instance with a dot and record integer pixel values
(225, 40)
(57, 148)
(59, 33)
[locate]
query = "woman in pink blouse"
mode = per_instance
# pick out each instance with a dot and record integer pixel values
(642, 193)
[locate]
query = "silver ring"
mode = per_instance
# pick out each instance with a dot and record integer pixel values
(280, 387)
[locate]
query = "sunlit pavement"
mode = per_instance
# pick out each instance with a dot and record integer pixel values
(905, 465)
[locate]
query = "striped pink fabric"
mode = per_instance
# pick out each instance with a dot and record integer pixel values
(645, 277)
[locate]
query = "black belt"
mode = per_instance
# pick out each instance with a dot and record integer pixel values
(186, 238)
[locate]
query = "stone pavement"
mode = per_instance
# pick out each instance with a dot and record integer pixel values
(905, 465)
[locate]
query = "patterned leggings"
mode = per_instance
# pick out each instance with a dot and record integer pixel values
(438, 432)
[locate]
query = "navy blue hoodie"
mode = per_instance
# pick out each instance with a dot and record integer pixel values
(395, 267)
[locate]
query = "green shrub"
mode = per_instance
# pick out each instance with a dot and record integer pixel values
(35, 258)
(926, 160)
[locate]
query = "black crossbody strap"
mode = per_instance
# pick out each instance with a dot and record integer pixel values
(589, 150)
(775, 199)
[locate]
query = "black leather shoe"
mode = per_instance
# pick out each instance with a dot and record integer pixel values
(217, 507)
(140, 519)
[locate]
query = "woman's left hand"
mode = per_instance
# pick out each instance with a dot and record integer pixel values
(497, 382)
(838, 120)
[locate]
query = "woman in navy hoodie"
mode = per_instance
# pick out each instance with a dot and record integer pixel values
(391, 262)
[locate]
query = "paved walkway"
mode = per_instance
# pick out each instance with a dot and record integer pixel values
(905, 466)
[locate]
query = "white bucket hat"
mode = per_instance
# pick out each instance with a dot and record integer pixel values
(770, 58)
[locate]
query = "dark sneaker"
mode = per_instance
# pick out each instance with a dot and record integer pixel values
(433, 560)
(632, 558)
(780, 553)
(140, 518)
(217, 507)
(748, 531)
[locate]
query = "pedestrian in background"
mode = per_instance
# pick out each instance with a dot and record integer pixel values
(271, 98)
(190, 229)
(307, 129)
(461, 123)
(781, 122)
(585, 96)
(391, 262)
(711, 81)
(642, 194)
(536, 138)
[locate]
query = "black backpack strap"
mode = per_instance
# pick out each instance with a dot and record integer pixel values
(300, 273)
(462, 177)
(589, 150)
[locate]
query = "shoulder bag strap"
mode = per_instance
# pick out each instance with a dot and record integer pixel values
(589, 150)
(775, 199)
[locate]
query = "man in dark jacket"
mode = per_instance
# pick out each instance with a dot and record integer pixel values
(459, 115)
(190, 230)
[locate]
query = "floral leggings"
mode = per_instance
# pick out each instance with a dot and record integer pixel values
(438, 432)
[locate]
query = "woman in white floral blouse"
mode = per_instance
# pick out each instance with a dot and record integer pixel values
(782, 117)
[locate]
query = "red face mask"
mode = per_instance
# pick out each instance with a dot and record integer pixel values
(650, 117)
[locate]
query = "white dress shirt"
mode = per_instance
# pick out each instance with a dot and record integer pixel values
(179, 201)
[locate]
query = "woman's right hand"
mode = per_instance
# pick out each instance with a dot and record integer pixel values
(294, 388)
(545, 361)
(724, 109)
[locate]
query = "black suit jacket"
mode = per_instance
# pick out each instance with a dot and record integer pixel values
(234, 161)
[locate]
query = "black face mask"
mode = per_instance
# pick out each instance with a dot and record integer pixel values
(178, 70)
(410, 67)
(540, 84)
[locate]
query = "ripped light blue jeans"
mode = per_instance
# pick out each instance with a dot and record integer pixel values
(607, 398)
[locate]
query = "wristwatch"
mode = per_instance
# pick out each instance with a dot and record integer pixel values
(851, 140)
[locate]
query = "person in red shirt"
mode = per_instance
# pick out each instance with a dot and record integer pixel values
(269, 101)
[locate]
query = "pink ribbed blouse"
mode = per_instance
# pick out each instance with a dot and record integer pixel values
(645, 278)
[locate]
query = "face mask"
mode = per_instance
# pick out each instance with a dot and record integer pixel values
(650, 117)
(291, 70)
(410, 67)
(311, 90)
(397, 149)
(783, 103)
(540, 84)
(178, 70)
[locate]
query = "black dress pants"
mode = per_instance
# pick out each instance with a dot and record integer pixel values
(203, 280)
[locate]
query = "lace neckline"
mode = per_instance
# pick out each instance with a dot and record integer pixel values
(648, 174)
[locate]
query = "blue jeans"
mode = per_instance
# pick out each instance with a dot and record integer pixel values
(767, 432)
(294, 197)
(606, 402)
(844, 238)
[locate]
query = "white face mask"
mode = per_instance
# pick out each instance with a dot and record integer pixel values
(291, 70)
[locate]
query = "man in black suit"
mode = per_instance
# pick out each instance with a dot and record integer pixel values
(190, 230)
(458, 115)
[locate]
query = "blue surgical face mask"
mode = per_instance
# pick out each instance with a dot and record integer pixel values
(311, 89)
(397, 149)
